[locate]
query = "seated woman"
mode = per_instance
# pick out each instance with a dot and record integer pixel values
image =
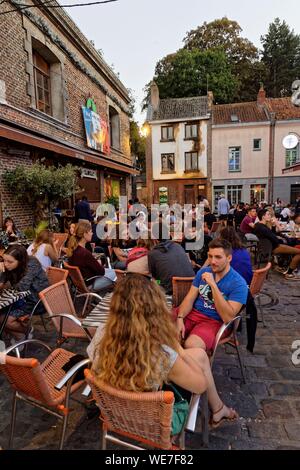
(137, 261)
(118, 254)
(89, 267)
(22, 272)
(9, 233)
(137, 350)
(44, 249)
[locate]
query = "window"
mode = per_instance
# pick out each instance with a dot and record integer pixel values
(292, 156)
(234, 159)
(256, 144)
(167, 163)
(42, 83)
(114, 128)
(191, 131)
(234, 194)
(191, 161)
(167, 133)
(257, 193)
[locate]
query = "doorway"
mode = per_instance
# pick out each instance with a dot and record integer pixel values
(295, 192)
(189, 194)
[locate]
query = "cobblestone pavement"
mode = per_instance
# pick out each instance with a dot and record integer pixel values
(269, 404)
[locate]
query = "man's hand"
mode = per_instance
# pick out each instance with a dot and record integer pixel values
(180, 328)
(209, 279)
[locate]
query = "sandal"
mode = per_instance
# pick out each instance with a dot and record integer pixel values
(233, 415)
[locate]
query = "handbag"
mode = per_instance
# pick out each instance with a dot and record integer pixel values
(180, 409)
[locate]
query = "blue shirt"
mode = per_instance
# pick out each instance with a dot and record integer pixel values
(241, 263)
(232, 286)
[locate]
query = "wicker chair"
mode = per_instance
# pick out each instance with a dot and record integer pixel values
(181, 286)
(143, 417)
(34, 383)
(59, 305)
(80, 285)
(62, 238)
(55, 275)
(259, 277)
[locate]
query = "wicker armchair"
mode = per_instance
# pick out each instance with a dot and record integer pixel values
(59, 305)
(181, 286)
(34, 383)
(81, 288)
(62, 238)
(55, 275)
(142, 417)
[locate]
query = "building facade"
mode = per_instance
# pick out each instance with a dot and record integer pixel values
(178, 149)
(60, 103)
(249, 161)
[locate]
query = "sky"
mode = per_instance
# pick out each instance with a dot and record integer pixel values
(135, 34)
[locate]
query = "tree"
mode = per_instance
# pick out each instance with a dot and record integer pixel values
(138, 145)
(281, 57)
(188, 73)
(225, 35)
(42, 186)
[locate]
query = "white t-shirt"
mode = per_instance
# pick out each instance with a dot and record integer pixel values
(40, 255)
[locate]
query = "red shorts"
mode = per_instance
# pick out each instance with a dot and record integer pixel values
(200, 325)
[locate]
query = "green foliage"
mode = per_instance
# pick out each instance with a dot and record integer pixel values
(188, 72)
(41, 182)
(281, 57)
(138, 145)
(113, 200)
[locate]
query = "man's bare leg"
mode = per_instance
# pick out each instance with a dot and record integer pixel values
(194, 341)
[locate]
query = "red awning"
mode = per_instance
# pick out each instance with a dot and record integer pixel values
(43, 143)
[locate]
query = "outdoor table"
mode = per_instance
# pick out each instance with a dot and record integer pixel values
(8, 297)
(99, 314)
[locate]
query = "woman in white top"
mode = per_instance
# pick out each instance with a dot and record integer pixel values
(44, 249)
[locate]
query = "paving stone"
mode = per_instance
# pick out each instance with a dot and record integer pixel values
(284, 389)
(254, 361)
(290, 374)
(266, 374)
(277, 409)
(257, 389)
(279, 361)
(293, 430)
(263, 430)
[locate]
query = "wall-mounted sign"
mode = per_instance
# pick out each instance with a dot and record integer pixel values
(88, 173)
(111, 187)
(290, 141)
(96, 130)
(163, 195)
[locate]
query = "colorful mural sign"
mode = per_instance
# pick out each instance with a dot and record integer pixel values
(111, 187)
(96, 130)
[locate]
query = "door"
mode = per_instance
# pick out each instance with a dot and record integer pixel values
(295, 192)
(189, 194)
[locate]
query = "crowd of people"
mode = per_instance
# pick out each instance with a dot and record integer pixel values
(143, 344)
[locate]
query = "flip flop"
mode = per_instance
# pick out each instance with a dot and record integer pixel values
(232, 417)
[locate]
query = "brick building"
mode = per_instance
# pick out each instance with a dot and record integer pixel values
(49, 72)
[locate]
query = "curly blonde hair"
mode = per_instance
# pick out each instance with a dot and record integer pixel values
(130, 354)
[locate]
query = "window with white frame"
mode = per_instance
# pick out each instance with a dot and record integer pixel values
(191, 161)
(167, 133)
(191, 131)
(234, 159)
(167, 162)
(292, 156)
(256, 144)
(234, 194)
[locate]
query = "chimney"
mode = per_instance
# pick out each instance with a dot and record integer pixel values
(261, 96)
(210, 100)
(154, 97)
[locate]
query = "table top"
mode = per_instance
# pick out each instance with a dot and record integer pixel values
(100, 313)
(10, 296)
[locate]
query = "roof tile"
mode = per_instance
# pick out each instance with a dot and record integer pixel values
(179, 108)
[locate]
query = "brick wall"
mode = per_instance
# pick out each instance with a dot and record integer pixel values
(21, 213)
(16, 38)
